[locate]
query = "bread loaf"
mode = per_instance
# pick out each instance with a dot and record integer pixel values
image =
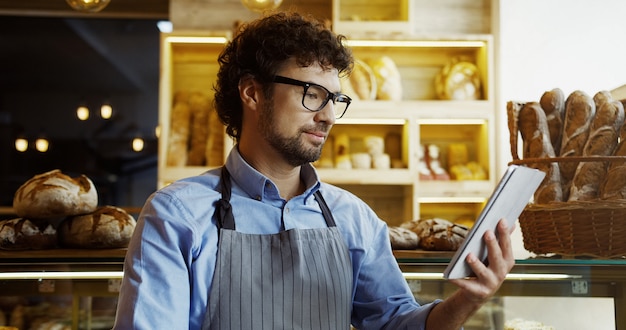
(614, 184)
(54, 195)
(437, 234)
(579, 111)
(388, 79)
(24, 234)
(178, 139)
(553, 104)
(533, 126)
(107, 227)
(403, 239)
(363, 81)
(215, 143)
(603, 136)
(200, 106)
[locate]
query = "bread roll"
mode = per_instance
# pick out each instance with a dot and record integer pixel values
(533, 126)
(24, 234)
(553, 104)
(403, 239)
(603, 136)
(54, 195)
(178, 139)
(579, 111)
(107, 227)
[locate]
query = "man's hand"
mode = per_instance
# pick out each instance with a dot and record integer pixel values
(489, 278)
(453, 312)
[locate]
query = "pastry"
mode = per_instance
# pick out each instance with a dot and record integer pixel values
(388, 79)
(24, 234)
(403, 239)
(53, 195)
(107, 227)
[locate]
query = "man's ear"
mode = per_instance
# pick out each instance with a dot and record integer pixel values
(249, 92)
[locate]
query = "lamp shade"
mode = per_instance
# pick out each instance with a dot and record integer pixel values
(261, 5)
(90, 6)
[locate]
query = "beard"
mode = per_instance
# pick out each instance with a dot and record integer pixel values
(292, 148)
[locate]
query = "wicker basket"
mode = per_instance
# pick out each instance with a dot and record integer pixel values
(575, 229)
(590, 228)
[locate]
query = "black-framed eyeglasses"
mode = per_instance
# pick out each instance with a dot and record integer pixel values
(315, 97)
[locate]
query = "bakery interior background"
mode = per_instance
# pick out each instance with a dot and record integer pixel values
(52, 59)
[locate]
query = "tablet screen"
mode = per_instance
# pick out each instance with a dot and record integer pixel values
(508, 200)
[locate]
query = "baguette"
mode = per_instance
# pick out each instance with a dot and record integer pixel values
(533, 126)
(602, 140)
(579, 111)
(553, 104)
(614, 183)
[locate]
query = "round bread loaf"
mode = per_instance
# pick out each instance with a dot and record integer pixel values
(53, 195)
(106, 228)
(439, 234)
(23, 234)
(403, 239)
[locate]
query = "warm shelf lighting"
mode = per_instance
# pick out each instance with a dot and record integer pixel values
(89, 6)
(42, 144)
(509, 277)
(106, 111)
(21, 144)
(260, 6)
(138, 144)
(82, 112)
(417, 43)
(157, 131)
(61, 275)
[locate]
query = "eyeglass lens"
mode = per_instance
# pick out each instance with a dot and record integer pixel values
(316, 98)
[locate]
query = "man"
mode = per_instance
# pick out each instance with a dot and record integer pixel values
(261, 243)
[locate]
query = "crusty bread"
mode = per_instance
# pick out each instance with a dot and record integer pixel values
(107, 227)
(603, 136)
(614, 184)
(533, 126)
(403, 238)
(553, 104)
(53, 195)
(200, 106)
(579, 111)
(437, 234)
(24, 234)
(178, 139)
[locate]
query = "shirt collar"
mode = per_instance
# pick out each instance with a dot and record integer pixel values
(258, 186)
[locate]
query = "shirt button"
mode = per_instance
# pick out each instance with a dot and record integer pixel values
(287, 210)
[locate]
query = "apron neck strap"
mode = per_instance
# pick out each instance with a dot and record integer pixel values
(223, 209)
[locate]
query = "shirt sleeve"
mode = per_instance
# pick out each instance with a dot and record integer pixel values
(155, 290)
(383, 299)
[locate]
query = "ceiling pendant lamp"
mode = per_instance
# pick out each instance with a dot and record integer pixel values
(260, 6)
(88, 6)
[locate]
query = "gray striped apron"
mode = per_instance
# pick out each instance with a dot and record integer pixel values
(295, 279)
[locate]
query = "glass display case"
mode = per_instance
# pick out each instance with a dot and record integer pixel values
(77, 289)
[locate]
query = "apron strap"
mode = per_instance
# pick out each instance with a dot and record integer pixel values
(328, 216)
(223, 209)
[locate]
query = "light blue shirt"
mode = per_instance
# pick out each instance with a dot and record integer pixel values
(171, 258)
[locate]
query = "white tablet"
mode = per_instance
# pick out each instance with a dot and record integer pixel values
(512, 194)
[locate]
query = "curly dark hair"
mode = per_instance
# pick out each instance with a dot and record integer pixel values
(262, 46)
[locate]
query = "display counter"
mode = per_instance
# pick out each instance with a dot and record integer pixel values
(79, 288)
